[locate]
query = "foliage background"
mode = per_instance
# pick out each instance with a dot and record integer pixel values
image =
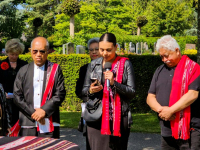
(175, 17)
(121, 39)
(144, 67)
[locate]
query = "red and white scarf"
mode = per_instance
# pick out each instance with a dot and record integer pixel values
(51, 73)
(105, 126)
(185, 73)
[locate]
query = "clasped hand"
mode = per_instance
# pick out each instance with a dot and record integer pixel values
(165, 113)
(39, 115)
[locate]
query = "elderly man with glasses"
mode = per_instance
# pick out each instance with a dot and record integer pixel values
(39, 91)
(174, 95)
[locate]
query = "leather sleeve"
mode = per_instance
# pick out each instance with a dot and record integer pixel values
(19, 96)
(87, 81)
(58, 95)
(127, 90)
(80, 82)
(8, 117)
(1, 74)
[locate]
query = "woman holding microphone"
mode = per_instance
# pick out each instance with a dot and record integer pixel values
(117, 87)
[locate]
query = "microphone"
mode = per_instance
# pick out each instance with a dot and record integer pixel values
(108, 66)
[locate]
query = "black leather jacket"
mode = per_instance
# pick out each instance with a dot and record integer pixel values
(126, 89)
(4, 116)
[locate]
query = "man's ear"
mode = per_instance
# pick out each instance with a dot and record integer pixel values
(177, 51)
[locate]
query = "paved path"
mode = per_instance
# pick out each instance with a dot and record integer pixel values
(137, 141)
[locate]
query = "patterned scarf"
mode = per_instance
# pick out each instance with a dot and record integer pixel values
(51, 72)
(185, 73)
(116, 102)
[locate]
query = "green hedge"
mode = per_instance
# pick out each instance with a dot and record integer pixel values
(144, 67)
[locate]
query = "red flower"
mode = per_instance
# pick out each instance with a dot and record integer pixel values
(4, 65)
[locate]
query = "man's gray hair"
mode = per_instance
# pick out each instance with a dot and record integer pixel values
(47, 43)
(167, 42)
(93, 40)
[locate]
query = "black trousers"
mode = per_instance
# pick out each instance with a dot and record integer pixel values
(34, 132)
(169, 143)
(97, 141)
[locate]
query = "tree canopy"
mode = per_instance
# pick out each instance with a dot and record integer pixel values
(11, 20)
(122, 17)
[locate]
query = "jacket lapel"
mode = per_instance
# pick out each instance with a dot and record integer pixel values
(44, 78)
(29, 81)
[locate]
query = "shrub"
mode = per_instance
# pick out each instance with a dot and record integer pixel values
(190, 52)
(144, 67)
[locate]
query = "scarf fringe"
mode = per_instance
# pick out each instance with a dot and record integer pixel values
(117, 133)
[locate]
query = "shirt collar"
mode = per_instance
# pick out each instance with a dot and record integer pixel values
(42, 67)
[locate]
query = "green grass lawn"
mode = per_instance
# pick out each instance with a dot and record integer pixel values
(146, 122)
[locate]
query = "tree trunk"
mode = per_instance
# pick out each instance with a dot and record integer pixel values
(198, 34)
(72, 26)
(138, 31)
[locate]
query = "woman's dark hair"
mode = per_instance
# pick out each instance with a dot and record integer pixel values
(109, 37)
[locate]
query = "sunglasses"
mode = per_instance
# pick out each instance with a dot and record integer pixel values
(40, 51)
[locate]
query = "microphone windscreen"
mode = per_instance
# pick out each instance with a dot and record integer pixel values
(107, 65)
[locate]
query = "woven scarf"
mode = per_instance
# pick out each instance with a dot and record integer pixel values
(51, 73)
(185, 73)
(105, 126)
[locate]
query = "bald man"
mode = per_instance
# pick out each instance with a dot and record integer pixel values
(39, 91)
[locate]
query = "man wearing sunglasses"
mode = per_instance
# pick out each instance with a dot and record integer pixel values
(39, 91)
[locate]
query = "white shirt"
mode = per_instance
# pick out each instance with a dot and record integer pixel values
(38, 85)
(38, 78)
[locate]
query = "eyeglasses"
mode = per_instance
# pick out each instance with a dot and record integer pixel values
(94, 49)
(36, 51)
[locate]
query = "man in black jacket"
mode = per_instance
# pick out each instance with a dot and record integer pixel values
(39, 115)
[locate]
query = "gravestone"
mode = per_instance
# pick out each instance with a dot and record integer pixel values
(138, 48)
(154, 47)
(118, 48)
(190, 46)
(80, 49)
(70, 48)
(64, 48)
(146, 46)
(142, 47)
(131, 47)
